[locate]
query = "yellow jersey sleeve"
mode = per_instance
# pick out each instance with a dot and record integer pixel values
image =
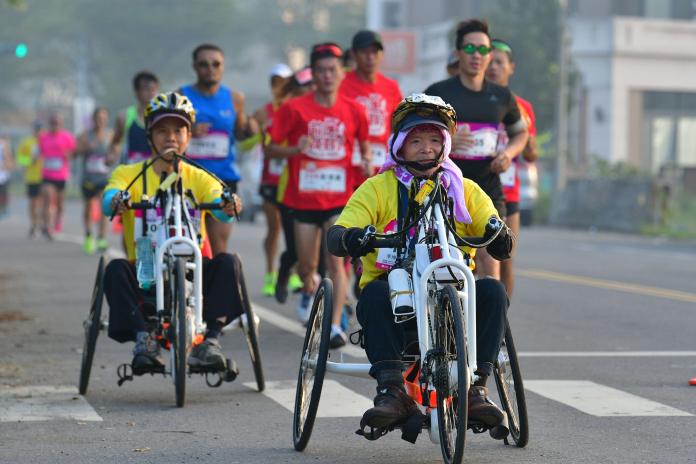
(362, 208)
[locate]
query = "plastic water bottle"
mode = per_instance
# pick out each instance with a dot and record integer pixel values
(145, 262)
(401, 295)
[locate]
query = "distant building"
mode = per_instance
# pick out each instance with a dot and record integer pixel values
(636, 96)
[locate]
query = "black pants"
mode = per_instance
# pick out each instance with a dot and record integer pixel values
(288, 258)
(221, 295)
(385, 340)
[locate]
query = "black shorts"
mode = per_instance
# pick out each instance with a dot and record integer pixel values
(231, 184)
(315, 217)
(494, 189)
(512, 207)
(269, 193)
(91, 189)
(58, 184)
(33, 190)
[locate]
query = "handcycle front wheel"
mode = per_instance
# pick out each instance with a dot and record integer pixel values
(508, 379)
(315, 352)
(451, 376)
(92, 326)
(181, 339)
(251, 332)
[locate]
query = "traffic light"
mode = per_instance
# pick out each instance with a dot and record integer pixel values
(21, 50)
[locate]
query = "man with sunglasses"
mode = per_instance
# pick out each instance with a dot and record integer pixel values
(221, 120)
(501, 68)
(481, 107)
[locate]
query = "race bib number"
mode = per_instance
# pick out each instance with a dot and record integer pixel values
(508, 177)
(379, 154)
(211, 145)
(484, 138)
(156, 230)
(276, 166)
(322, 177)
(53, 164)
(96, 165)
(386, 257)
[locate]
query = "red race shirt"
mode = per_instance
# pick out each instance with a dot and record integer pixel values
(320, 179)
(379, 98)
(510, 178)
(272, 168)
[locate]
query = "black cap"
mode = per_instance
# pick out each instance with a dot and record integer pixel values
(364, 39)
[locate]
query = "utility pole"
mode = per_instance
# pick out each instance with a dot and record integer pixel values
(562, 120)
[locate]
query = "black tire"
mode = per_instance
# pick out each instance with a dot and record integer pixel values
(92, 326)
(251, 332)
(508, 379)
(452, 404)
(181, 342)
(316, 346)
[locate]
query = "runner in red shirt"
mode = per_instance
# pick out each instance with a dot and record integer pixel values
(272, 168)
(316, 133)
(376, 92)
(501, 68)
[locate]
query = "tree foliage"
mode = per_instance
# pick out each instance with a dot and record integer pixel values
(533, 29)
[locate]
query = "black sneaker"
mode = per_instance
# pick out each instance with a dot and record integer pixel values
(207, 354)
(281, 286)
(392, 407)
(146, 354)
(483, 410)
(338, 339)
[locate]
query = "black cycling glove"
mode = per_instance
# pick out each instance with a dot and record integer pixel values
(351, 242)
(501, 247)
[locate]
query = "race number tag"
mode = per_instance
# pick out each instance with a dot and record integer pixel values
(96, 165)
(379, 154)
(485, 141)
(276, 166)
(386, 257)
(507, 178)
(53, 163)
(317, 176)
(156, 229)
(212, 145)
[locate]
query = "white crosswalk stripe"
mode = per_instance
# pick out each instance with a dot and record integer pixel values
(336, 400)
(44, 403)
(599, 400)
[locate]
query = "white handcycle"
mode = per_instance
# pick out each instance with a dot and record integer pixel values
(440, 372)
(172, 220)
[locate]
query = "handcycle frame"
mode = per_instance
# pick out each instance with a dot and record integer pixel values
(166, 261)
(425, 285)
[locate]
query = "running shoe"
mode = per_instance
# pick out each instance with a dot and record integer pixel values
(304, 307)
(102, 245)
(88, 246)
(338, 337)
(295, 283)
(269, 283)
(146, 353)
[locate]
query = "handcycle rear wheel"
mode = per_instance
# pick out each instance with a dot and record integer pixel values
(181, 339)
(508, 379)
(452, 398)
(92, 326)
(315, 352)
(251, 333)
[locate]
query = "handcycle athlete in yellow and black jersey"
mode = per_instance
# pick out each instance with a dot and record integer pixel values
(168, 119)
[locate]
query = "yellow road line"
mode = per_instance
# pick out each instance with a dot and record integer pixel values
(607, 284)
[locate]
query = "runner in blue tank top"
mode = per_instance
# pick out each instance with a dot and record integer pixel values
(220, 121)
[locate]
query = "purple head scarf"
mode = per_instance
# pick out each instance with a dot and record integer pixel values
(451, 176)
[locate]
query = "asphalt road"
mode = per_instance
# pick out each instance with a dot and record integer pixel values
(605, 324)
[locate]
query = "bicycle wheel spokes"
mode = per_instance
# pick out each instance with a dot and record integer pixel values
(450, 376)
(312, 365)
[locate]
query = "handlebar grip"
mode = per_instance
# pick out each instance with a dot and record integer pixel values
(140, 205)
(387, 242)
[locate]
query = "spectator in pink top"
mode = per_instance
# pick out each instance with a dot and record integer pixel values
(56, 147)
